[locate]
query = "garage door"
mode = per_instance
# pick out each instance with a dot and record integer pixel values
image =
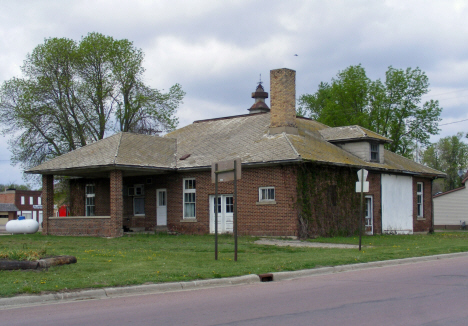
(397, 204)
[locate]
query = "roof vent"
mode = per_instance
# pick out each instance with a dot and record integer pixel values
(184, 157)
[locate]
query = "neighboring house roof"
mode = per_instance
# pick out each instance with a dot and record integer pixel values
(245, 136)
(351, 133)
(453, 190)
(8, 208)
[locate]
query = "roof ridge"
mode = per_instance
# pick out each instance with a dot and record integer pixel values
(290, 144)
(118, 148)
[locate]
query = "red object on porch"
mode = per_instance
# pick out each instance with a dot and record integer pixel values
(63, 211)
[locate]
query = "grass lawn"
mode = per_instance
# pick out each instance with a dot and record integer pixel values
(159, 258)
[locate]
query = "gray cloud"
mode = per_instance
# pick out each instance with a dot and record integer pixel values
(217, 49)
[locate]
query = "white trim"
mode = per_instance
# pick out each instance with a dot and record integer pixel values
(420, 193)
(90, 195)
(189, 191)
(260, 194)
(140, 214)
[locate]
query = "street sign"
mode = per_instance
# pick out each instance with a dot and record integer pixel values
(365, 186)
(225, 170)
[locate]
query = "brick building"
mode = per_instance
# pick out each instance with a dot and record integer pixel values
(298, 177)
(14, 203)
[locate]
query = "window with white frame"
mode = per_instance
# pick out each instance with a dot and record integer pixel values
(22, 200)
(31, 200)
(90, 195)
(419, 198)
(138, 205)
(189, 198)
(266, 194)
(39, 200)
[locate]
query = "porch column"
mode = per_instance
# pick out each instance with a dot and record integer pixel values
(47, 201)
(116, 203)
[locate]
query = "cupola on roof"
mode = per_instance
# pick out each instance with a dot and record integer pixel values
(259, 95)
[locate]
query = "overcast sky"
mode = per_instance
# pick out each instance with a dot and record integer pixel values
(217, 49)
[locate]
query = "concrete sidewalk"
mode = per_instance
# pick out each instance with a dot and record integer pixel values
(107, 293)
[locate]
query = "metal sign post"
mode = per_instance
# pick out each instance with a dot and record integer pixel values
(221, 172)
(216, 211)
(362, 186)
(235, 211)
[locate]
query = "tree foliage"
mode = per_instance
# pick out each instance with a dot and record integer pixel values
(391, 108)
(74, 93)
(449, 155)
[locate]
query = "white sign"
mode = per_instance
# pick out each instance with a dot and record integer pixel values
(365, 186)
(37, 206)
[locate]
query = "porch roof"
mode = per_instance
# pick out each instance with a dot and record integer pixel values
(132, 153)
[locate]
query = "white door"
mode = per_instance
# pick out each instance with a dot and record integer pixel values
(397, 204)
(161, 207)
(225, 214)
(369, 226)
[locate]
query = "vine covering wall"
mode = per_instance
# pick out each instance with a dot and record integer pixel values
(326, 201)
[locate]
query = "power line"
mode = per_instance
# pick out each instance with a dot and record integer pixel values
(444, 124)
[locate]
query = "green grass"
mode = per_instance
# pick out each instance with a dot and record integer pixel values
(165, 258)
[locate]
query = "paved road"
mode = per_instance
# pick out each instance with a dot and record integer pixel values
(427, 293)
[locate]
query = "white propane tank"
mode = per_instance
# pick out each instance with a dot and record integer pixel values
(22, 226)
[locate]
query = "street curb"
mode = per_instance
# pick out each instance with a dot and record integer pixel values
(106, 293)
(279, 276)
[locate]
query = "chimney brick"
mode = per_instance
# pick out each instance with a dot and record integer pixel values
(283, 101)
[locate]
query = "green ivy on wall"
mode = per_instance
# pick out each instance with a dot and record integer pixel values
(326, 201)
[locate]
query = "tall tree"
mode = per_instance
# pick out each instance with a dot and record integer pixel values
(74, 93)
(392, 108)
(450, 155)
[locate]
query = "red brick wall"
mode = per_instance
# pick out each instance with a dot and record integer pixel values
(375, 191)
(116, 203)
(278, 219)
(7, 198)
(422, 224)
(80, 227)
(47, 201)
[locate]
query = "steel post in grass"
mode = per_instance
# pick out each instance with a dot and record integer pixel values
(235, 211)
(216, 211)
(360, 212)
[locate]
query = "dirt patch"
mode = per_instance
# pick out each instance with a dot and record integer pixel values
(298, 243)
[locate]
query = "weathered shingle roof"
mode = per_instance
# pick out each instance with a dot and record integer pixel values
(119, 150)
(245, 136)
(223, 139)
(348, 133)
(8, 208)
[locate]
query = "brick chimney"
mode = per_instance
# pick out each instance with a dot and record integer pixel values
(283, 101)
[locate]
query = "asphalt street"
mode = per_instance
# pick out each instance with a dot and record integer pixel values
(422, 293)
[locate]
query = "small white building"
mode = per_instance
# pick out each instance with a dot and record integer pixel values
(451, 208)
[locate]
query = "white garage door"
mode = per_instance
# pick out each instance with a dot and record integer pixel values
(397, 204)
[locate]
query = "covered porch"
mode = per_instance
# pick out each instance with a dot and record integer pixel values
(107, 185)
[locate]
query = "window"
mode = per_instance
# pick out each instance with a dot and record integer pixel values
(31, 201)
(90, 195)
(374, 152)
(189, 198)
(138, 205)
(22, 200)
(419, 198)
(266, 194)
(39, 200)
